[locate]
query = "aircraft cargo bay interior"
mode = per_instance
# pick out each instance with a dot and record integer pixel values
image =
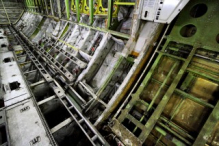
(109, 72)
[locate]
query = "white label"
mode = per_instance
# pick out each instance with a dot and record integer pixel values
(149, 3)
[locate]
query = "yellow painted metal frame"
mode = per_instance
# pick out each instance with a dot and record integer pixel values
(98, 8)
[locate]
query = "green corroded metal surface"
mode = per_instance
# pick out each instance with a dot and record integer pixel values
(185, 66)
(206, 25)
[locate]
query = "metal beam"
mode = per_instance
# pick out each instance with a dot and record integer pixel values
(59, 8)
(156, 114)
(38, 4)
(209, 126)
(51, 7)
(61, 125)
(67, 8)
(109, 13)
(115, 33)
(91, 12)
(46, 100)
(77, 10)
(47, 11)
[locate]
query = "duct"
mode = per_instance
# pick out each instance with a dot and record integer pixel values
(94, 64)
(44, 31)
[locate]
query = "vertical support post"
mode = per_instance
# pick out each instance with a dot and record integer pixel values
(28, 4)
(42, 6)
(136, 18)
(47, 11)
(35, 5)
(91, 11)
(59, 8)
(32, 4)
(38, 4)
(77, 10)
(110, 9)
(51, 7)
(25, 4)
(67, 9)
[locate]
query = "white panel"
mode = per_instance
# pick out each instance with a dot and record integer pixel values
(25, 126)
(10, 73)
(163, 11)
